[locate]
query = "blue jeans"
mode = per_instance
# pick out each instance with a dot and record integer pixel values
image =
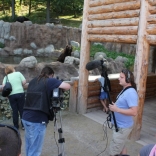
(34, 137)
(17, 102)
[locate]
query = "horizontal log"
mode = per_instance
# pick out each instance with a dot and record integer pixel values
(94, 99)
(151, 77)
(93, 3)
(114, 15)
(151, 29)
(151, 19)
(94, 105)
(152, 9)
(115, 7)
(114, 22)
(91, 83)
(127, 30)
(113, 38)
(91, 88)
(152, 2)
(94, 93)
(151, 39)
(150, 90)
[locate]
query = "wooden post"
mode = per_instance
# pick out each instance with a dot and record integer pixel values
(84, 58)
(73, 95)
(141, 68)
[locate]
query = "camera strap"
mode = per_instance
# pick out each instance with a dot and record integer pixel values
(123, 91)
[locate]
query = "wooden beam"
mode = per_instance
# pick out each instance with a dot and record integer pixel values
(151, 19)
(114, 15)
(151, 30)
(141, 68)
(152, 9)
(116, 7)
(151, 39)
(113, 38)
(106, 2)
(127, 30)
(73, 95)
(152, 2)
(114, 22)
(84, 58)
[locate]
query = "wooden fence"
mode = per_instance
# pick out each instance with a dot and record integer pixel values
(93, 101)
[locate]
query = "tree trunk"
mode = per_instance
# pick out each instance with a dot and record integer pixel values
(29, 7)
(48, 12)
(13, 9)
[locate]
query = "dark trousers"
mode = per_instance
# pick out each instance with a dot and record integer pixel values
(17, 103)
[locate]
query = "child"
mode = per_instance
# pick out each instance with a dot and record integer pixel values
(103, 94)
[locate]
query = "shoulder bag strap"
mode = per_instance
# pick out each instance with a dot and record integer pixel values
(7, 80)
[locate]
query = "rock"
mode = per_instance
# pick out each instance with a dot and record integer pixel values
(121, 59)
(75, 44)
(29, 62)
(76, 54)
(18, 51)
(99, 55)
(33, 45)
(49, 49)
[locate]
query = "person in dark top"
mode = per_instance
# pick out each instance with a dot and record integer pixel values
(36, 109)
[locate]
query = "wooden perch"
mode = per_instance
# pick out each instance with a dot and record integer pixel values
(128, 30)
(115, 7)
(114, 22)
(93, 3)
(113, 38)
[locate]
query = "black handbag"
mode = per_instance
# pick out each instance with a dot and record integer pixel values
(7, 89)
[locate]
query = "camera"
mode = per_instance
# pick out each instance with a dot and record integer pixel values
(57, 97)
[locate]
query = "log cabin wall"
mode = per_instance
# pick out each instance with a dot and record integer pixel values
(94, 91)
(113, 20)
(151, 23)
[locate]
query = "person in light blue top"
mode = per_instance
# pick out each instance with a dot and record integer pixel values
(125, 108)
(103, 95)
(17, 96)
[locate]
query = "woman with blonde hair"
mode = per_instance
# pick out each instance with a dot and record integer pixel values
(17, 96)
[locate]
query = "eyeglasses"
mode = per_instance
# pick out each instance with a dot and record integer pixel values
(17, 133)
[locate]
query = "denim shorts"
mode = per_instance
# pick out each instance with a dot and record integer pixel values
(103, 95)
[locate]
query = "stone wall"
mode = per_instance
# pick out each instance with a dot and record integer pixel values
(26, 39)
(33, 39)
